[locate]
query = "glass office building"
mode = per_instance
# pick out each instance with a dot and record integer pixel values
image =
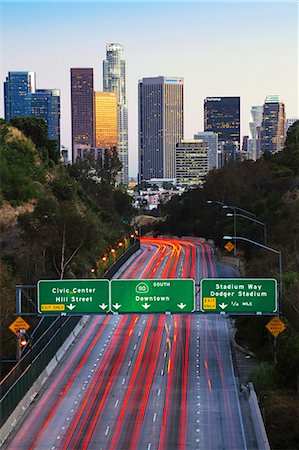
(273, 128)
(16, 88)
(22, 99)
(82, 106)
(161, 125)
(45, 104)
(222, 115)
(114, 80)
(211, 140)
(105, 116)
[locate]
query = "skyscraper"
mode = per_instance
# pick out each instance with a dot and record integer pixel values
(105, 116)
(21, 99)
(161, 125)
(211, 140)
(222, 115)
(254, 144)
(192, 162)
(114, 80)
(273, 129)
(82, 104)
(16, 88)
(45, 104)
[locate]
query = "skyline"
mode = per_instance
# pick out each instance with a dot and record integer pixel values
(232, 52)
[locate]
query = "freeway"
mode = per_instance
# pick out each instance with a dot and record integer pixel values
(144, 381)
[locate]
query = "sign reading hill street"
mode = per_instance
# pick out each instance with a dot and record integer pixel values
(239, 295)
(152, 296)
(73, 296)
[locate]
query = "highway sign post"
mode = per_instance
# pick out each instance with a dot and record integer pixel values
(239, 295)
(152, 296)
(73, 296)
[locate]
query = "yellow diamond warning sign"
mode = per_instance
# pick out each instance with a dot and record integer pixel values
(276, 326)
(18, 325)
(229, 246)
(209, 302)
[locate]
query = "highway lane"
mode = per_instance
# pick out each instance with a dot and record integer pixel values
(152, 382)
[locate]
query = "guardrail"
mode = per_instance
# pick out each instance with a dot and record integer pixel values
(258, 423)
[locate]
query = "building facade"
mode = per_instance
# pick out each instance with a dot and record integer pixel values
(211, 139)
(105, 119)
(192, 162)
(161, 125)
(222, 115)
(114, 80)
(22, 99)
(82, 108)
(273, 128)
(45, 104)
(254, 144)
(16, 88)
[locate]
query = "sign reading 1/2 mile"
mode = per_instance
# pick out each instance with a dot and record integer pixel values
(239, 295)
(152, 296)
(73, 296)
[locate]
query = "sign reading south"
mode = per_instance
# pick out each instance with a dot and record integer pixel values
(239, 295)
(73, 296)
(152, 296)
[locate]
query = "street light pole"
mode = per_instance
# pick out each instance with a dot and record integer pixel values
(273, 250)
(252, 220)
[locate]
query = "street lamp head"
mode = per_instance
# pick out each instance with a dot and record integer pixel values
(229, 215)
(209, 202)
(225, 206)
(227, 238)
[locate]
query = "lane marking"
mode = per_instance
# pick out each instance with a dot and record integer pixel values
(123, 382)
(130, 362)
(116, 403)
(154, 418)
(149, 446)
(162, 372)
(159, 392)
(107, 430)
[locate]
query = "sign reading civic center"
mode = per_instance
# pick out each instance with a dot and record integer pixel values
(152, 296)
(239, 295)
(73, 296)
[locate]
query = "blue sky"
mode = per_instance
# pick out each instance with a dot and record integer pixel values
(220, 48)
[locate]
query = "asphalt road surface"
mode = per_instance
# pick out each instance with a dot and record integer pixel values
(144, 381)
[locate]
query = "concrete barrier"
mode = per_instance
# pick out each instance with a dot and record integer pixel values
(258, 423)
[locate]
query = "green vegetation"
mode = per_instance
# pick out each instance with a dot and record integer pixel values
(56, 221)
(270, 189)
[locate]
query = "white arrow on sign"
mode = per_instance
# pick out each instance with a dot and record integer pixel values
(223, 305)
(103, 306)
(181, 305)
(146, 306)
(71, 306)
(116, 306)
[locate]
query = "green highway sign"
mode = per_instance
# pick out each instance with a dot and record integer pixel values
(152, 296)
(73, 296)
(239, 295)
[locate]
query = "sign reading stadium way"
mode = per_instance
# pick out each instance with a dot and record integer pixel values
(73, 296)
(152, 296)
(136, 296)
(239, 295)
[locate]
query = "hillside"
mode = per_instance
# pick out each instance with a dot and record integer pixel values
(56, 221)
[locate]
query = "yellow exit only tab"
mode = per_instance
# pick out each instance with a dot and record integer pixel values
(52, 307)
(209, 302)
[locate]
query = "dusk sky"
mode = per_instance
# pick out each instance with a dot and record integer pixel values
(246, 49)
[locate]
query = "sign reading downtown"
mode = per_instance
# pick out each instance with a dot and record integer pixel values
(152, 296)
(239, 295)
(121, 296)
